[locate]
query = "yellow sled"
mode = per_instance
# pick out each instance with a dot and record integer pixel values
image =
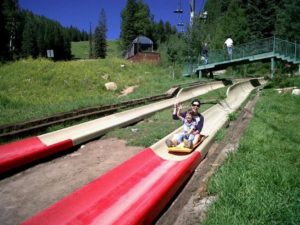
(181, 149)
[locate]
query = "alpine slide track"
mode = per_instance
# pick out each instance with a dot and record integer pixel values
(138, 190)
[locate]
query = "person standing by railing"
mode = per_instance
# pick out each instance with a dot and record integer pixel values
(229, 45)
(204, 53)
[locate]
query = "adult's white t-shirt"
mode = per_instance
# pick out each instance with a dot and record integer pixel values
(229, 42)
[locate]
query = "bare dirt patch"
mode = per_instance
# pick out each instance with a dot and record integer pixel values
(27, 192)
(128, 90)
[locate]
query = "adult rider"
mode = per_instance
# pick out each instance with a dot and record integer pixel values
(195, 106)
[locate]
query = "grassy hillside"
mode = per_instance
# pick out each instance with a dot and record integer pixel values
(80, 50)
(259, 184)
(36, 88)
(113, 49)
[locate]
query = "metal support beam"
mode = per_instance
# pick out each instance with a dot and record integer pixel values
(200, 74)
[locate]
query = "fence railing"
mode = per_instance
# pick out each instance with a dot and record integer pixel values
(279, 48)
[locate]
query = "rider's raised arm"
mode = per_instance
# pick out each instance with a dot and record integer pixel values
(177, 109)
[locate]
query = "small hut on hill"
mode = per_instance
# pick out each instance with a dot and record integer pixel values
(141, 49)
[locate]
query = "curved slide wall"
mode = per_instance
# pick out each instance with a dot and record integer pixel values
(137, 191)
(16, 154)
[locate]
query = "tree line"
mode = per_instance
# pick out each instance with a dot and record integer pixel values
(243, 21)
(25, 34)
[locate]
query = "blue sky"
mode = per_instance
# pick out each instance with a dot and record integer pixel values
(80, 14)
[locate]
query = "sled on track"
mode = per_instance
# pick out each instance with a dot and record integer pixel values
(181, 149)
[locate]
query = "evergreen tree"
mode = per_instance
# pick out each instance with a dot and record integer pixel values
(67, 53)
(143, 20)
(128, 32)
(10, 26)
(23, 33)
(4, 34)
(84, 36)
(91, 51)
(172, 51)
(169, 30)
(160, 32)
(261, 17)
(41, 34)
(75, 35)
(224, 4)
(233, 24)
(40, 38)
(100, 37)
(210, 25)
(192, 38)
(243, 20)
(288, 25)
(29, 43)
(136, 20)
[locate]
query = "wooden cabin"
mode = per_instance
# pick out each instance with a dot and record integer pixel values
(141, 49)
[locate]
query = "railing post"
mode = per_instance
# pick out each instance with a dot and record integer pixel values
(200, 74)
(295, 50)
(272, 67)
(274, 44)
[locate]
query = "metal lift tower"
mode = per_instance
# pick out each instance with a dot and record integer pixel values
(179, 12)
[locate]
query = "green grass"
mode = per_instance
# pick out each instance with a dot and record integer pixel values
(259, 184)
(281, 81)
(80, 50)
(36, 88)
(113, 49)
(220, 135)
(233, 116)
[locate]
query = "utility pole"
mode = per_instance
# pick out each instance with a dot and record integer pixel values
(91, 42)
(192, 11)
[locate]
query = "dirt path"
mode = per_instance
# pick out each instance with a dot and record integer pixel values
(29, 191)
(26, 193)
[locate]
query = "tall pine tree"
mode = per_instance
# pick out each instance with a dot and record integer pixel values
(288, 25)
(91, 49)
(4, 34)
(128, 32)
(136, 20)
(100, 36)
(261, 17)
(233, 24)
(10, 28)
(29, 41)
